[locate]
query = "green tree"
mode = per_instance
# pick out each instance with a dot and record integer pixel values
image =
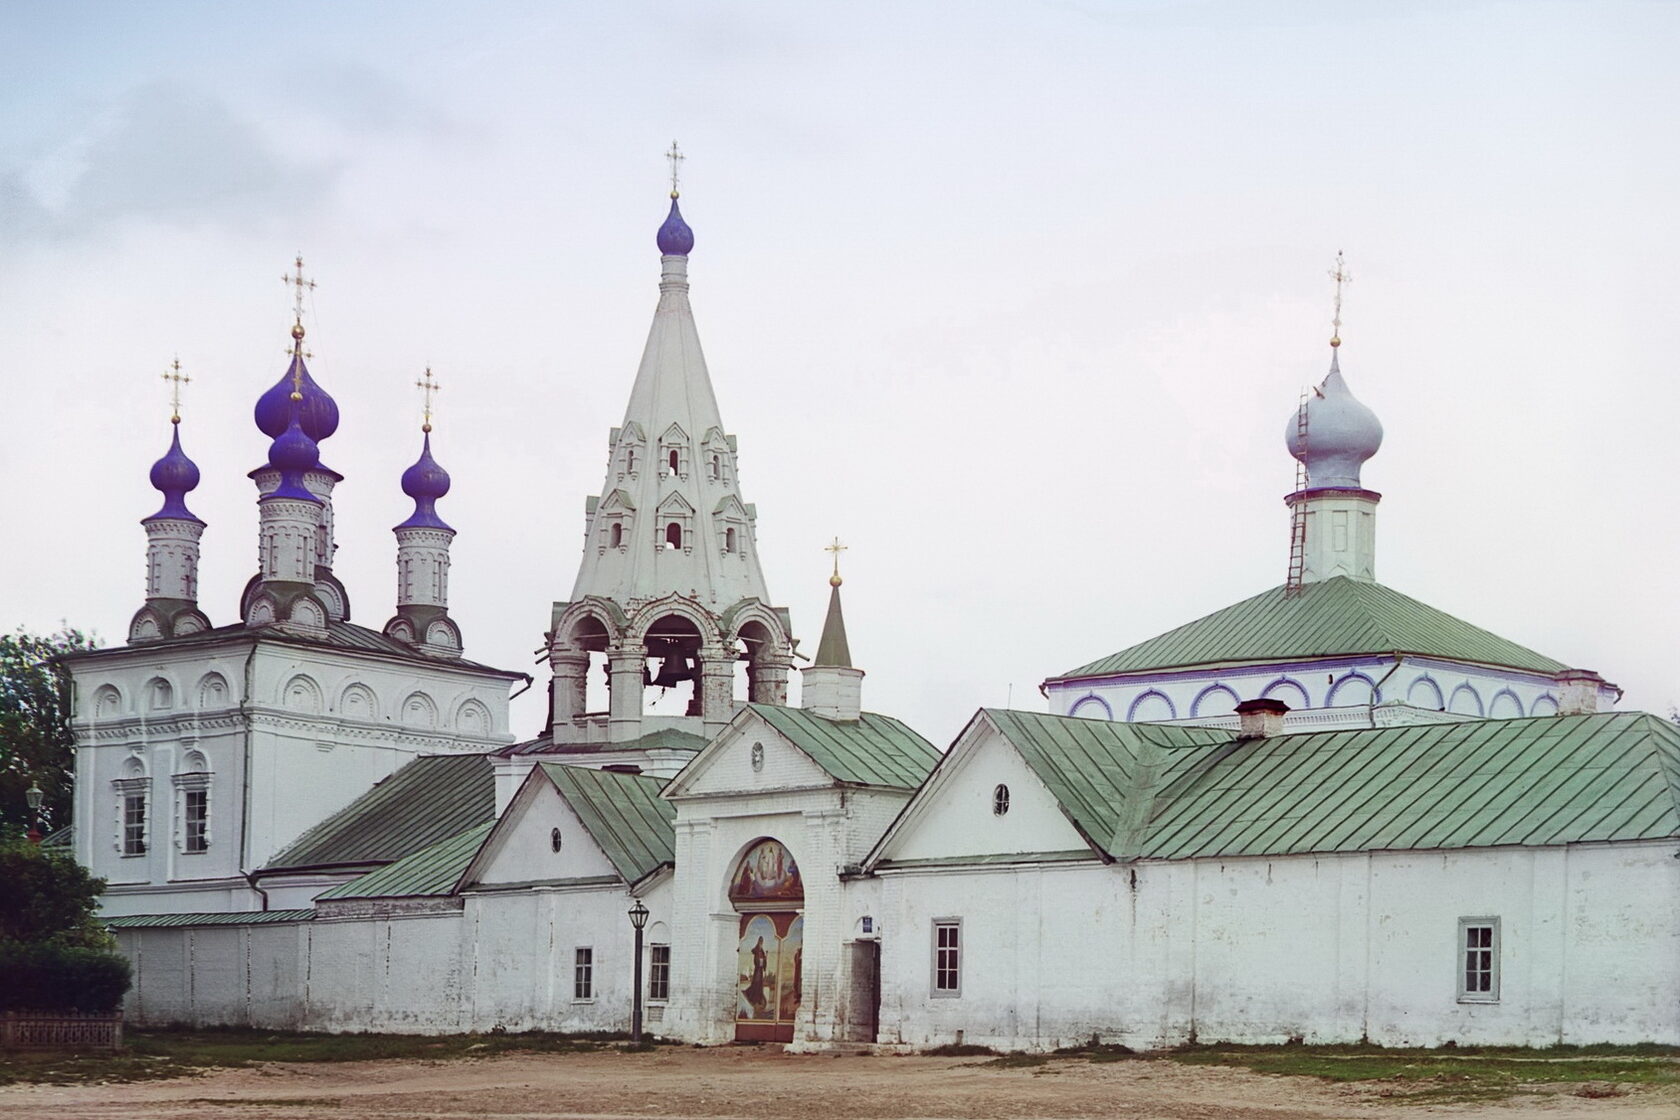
(35, 745)
(48, 898)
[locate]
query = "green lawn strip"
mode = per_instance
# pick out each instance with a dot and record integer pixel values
(1458, 1073)
(152, 1054)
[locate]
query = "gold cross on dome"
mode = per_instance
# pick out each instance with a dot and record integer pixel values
(836, 548)
(299, 285)
(676, 157)
(1341, 276)
(178, 379)
(427, 385)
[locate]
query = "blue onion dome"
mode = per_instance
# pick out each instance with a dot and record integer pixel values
(1341, 433)
(675, 238)
(319, 415)
(425, 482)
(175, 475)
(292, 453)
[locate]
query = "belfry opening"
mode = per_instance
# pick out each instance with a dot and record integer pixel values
(769, 897)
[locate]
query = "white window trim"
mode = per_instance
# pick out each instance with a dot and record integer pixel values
(134, 787)
(1464, 994)
(192, 780)
(666, 998)
(934, 990)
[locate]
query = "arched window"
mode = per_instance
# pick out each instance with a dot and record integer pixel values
(1000, 800)
(673, 533)
(630, 461)
(616, 538)
(715, 467)
(673, 460)
(729, 540)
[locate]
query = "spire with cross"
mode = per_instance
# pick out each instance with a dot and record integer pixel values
(176, 379)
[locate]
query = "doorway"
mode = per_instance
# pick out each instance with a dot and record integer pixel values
(769, 896)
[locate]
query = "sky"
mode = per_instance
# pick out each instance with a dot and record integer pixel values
(1015, 299)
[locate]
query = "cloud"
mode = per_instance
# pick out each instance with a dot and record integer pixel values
(168, 155)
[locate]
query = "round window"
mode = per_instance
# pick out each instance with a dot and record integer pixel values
(1000, 800)
(554, 839)
(758, 757)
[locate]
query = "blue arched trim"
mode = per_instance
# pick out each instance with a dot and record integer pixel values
(1172, 710)
(1544, 705)
(1268, 693)
(1342, 682)
(1481, 709)
(1440, 697)
(1091, 699)
(1514, 699)
(1196, 704)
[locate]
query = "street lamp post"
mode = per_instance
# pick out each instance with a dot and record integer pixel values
(638, 919)
(36, 798)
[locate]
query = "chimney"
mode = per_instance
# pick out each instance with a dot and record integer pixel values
(1261, 719)
(1578, 691)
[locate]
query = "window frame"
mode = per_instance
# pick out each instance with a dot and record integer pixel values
(936, 966)
(1466, 993)
(195, 828)
(583, 974)
(659, 973)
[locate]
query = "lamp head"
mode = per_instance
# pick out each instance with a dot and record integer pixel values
(638, 915)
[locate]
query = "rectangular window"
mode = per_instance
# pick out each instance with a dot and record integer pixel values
(1478, 955)
(659, 972)
(195, 820)
(583, 974)
(134, 824)
(947, 956)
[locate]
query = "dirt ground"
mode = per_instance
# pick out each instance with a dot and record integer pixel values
(767, 1085)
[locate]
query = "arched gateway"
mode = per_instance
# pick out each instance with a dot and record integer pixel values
(769, 895)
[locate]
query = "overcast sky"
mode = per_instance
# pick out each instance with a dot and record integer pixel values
(1016, 299)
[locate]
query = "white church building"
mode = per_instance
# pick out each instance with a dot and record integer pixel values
(1328, 812)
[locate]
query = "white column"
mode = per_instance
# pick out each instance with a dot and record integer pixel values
(287, 541)
(423, 567)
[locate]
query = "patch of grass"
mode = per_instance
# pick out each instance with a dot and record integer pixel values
(1452, 1073)
(1014, 1060)
(152, 1054)
(958, 1050)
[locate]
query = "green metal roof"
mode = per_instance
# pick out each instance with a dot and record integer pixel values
(429, 872)
(236, 918)
(1335, 617)
(624, 813)
(1546, 780)
(663, 739)
(430, 799)
(872, 750)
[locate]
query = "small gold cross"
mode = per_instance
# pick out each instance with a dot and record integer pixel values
(836, 548)
(178, 379)
(427, 385)
(1341, 276)
(676, 157)
(299, 286)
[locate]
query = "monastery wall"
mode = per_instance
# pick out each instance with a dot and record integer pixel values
(506, 960)
(1328, 948)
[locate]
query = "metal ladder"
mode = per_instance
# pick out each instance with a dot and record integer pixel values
(1298, 515)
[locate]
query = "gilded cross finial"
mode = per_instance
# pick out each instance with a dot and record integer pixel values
(676, 157)
(177, 379)
(1341, 276)
(299, 286)
(836, 548)
(427, 386)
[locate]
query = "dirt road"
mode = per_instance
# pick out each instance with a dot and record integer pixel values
(765, 1085)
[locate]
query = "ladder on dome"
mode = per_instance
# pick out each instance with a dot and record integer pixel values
(1298, 510)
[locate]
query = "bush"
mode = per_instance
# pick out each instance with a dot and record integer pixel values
(53, 977)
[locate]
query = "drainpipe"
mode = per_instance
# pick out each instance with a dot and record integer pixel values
(245, 775)
(1371, 711)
